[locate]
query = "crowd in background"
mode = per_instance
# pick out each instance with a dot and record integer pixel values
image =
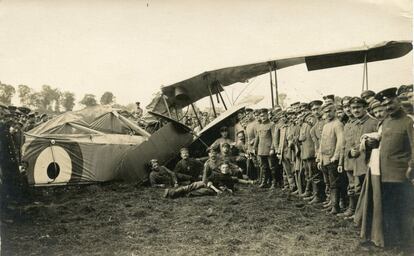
(351, 157)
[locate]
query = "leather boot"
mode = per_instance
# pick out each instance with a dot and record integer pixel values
(327, 204)
(316, 200)
(274, 185)
(335, 201)
(342, 203)
(261, 177)
(351, 208)
(309, 198)
(296, 192)
(265, 180)
(307, 189)
(292, 185)
(298, 184)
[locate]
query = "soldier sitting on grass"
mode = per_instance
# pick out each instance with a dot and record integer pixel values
(161, 176)
(188, 169)
(216, 183)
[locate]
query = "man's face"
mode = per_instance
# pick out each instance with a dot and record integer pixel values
(310, 120)
(154, 164)
(340, 114)
(240, 116)
(380, 112)
(316, 111)
(240, 136)
(347, 108)
(212, 155)
(226, 149)
(329, 114)
(185, 154)
(358, 110)
(224, 134)
(264, 117)
(225, 169)
(393, 106)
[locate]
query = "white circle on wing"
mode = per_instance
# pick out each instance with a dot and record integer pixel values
(54, 158)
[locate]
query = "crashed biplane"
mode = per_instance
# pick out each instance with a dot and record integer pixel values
(72, 149)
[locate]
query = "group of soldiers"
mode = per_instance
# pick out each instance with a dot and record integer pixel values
(351, 157)
(14, 122)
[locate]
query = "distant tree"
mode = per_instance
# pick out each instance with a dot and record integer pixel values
(50, 96)
(35, 100)
(88, 100)
(107, 98)
(68, 100)
(24, 94)
(6, 93)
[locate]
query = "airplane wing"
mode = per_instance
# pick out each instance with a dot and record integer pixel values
(183, 93)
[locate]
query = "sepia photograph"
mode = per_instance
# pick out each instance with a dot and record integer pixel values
(196, 127)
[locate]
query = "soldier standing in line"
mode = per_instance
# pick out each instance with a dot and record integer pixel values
(251, 126)
(330, 148)
(364, 124)
(396, 167)
(263, 147)
(307, 148)
(347, 162)
(283, 153)
(278, 124)
(318, 183)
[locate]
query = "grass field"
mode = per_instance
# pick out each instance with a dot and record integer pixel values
(118, 219)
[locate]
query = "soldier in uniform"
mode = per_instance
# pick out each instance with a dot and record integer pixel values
(283, 152)
(188, 169)
(138, 112)
(217, 182)
(396, 165)
(161, 176)
(307, 148)
(250, 138)
(346, 162)
(278, 124)
(364, 124)
(30, 123)
(318, 180)
(330, 148)
(224, 138)
(264, 148)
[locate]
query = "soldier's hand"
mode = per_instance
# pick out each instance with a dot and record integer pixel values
(272, 152)
(332, 160)
(340, 169)
(319, 166)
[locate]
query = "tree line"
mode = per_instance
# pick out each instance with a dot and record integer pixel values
(50, 99)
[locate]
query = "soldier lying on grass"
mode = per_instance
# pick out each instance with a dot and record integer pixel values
(217, 183)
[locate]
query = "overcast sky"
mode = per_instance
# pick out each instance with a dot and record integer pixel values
(131, 48)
